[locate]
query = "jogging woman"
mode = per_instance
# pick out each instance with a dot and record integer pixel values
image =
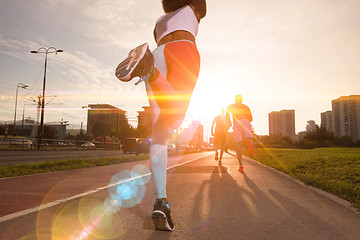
(170, 73)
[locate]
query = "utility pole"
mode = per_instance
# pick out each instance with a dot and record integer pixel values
(46, 52)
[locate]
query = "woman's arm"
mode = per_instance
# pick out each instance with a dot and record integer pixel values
(155, 35)
(199, 8)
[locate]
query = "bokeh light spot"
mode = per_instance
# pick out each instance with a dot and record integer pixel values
(112, 203)
(141, 174)
(127, 190)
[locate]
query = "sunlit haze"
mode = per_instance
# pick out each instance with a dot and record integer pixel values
(278, 54)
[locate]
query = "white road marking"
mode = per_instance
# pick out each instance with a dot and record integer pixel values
(60, 201)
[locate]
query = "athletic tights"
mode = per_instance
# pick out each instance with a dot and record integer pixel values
(178, 65)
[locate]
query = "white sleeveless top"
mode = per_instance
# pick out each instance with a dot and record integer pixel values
(181, 19)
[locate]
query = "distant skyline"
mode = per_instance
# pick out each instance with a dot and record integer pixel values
(278, 54)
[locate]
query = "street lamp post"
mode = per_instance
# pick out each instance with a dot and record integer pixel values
(24, 86)
(45, 51)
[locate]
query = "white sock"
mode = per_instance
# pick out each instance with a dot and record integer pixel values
(158, 162)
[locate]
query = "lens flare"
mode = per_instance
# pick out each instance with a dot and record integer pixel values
(130, 185)
(131, 202)
(113, 203)
(98, 221)
(141, 174)
(127, 190)
(117, 179)
(65, 222)
(85, 233)
(98, 218)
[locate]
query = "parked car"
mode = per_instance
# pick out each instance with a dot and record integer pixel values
(61, 144)
(28, 144)
(143, 146)
(171, 147)
(129, 145)
(183, 148)
(88, 145)
(21, 141)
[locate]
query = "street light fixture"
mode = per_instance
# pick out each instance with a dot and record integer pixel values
(24, 86)
(45, 51)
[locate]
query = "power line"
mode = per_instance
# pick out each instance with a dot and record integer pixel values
(6, 83)
(5, 86)
(6, 89)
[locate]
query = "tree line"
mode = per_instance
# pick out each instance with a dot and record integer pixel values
(318, 137)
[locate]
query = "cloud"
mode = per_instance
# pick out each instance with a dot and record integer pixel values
(19, 49)
(120, 24)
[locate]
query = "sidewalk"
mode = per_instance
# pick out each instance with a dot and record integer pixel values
(208, 202)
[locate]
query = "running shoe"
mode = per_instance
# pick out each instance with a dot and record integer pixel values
(139, 63)
(241, 168)
(220, 163)
(216, 156)
(161, 216)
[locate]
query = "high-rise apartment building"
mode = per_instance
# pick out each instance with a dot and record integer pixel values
(145, 121)
(282, 123)
(346, 116)
(327, 120)
(106, 117)
(145, 117)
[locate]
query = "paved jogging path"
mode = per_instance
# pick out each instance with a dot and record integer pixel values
(208, 202)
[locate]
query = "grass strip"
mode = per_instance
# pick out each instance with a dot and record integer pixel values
(71, 163)
(334, 170)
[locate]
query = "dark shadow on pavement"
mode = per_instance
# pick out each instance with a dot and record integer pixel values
(305, 220)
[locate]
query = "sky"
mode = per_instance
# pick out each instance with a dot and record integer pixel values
(278, 54)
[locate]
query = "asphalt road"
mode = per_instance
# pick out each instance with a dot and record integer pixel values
(208, 202)
(21, 157)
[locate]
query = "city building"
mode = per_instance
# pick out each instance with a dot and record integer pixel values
(105, 120)
(346, 116)
(282, 123)
(145, 122)
(145, 117)
(29, 128)
(58, 129)
(327, 121)
(26, 128)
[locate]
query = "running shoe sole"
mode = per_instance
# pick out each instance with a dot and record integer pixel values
(160, 221)
(124, 70)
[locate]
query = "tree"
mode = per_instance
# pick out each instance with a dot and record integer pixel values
(320, 135)
(143, 132)
(277, 141)
(100, 129)
(122, 129)
(125, 130)
(344, 141)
